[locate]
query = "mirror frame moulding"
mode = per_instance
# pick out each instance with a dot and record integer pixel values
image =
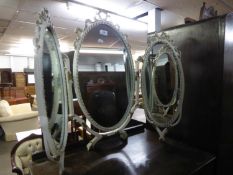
(178, 94)
(81, 34)
(54, 150)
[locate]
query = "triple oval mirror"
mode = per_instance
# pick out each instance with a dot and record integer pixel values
(104, 82)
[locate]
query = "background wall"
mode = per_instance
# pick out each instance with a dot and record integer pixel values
(16, 63)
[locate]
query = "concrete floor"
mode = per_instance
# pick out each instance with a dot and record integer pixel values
(5, 159)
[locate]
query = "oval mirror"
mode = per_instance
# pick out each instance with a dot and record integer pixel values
(162, 82)
(50, 88)
(104, 76)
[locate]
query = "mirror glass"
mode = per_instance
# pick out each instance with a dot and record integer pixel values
(52, 84)
(103, 76)
(164, 78)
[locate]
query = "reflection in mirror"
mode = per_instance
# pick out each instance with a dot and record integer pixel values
(102, 75)
(164, 78)
(117, 164)
(52, 82)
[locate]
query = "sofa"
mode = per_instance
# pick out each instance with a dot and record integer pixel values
(17, 118)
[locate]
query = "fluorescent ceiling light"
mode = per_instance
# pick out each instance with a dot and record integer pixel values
(103, 4)
(143, 19)
(128, 24)
(229, 36)
(162, 61)
(23, 48)
(65, 47)
(82, 12)
(128, 9)
(20, 52)
(138, 53)
(101, 51)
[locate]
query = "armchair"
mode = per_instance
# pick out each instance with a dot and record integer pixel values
(17, 118)
(21, 154)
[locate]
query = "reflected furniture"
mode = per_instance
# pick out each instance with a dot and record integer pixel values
(21, 154)
(103, 84)
(16, 118)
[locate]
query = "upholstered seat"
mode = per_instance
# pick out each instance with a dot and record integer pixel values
(21, 154)
(17, 118)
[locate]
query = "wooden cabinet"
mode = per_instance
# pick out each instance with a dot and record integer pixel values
(30, 90)
(19, 79)
(5, 76)
(13, 87)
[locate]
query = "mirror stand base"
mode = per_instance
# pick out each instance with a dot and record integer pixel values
(108, 142)
(123, 135)
(61, 163)
(162, 133)
(92, 143)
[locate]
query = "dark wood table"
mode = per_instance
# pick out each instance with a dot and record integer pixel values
(143, 155)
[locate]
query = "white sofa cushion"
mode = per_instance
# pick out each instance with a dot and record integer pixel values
(5, 109)
(19, 117)
(21, 108)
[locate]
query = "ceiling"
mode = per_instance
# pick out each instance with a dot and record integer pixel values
(191, 8)
(102, 36)
(17, 19)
